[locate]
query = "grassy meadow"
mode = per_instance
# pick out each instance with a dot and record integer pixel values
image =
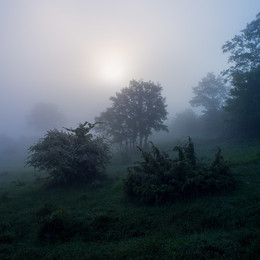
(40, 220)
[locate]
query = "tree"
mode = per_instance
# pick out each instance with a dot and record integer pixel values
(71, 155)
(243, 106)
(135, 112)
(244, 49)
(210, 93)
(45, 116)
(185, 123)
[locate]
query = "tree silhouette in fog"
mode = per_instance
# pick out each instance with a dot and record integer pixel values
(136, 111)
(244, 49)
(45, 116)
(210, 93)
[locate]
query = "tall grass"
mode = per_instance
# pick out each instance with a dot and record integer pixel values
(40, 220)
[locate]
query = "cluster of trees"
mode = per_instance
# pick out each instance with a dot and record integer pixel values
(210, 95)
(135, 112)
(140, 109)
(229, 110)
(77, 155)
(243, 105)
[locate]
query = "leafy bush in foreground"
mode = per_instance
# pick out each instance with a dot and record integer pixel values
(71, 155)
(159, 178)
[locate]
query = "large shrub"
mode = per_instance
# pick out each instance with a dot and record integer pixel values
(71, 154)
(158, 178)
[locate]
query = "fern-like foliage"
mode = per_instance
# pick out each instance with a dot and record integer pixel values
(158, 178)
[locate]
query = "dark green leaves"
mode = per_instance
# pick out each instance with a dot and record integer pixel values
(244, 49)
(74, 155)
(159, 179)
(135, 112)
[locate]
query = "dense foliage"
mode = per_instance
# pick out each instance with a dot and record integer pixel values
(244, 105)
(240, 116)
(135, 112)
(244, 49)
(159, 178)
(71, 155)
(72, 222)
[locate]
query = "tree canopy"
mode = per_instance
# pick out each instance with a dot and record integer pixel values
(210, 93)
(136, 111)
(244, 49)
(244, 104)
(71, 155)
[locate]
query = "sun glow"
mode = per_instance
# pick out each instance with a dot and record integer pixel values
(107, 68)
(112, 70)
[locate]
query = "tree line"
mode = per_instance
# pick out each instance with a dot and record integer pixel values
(139, 109)
(229, 102)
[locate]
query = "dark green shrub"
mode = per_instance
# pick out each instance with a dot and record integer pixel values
(6, 236)
(71, 155)
(45, 210)
(56, 226)
(159, 178)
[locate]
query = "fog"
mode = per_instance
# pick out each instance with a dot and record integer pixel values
(76, 54)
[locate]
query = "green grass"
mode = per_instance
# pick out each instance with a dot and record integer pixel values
(43, 221)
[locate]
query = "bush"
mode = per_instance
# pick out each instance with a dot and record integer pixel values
(159, 178)
(56, 226)
(71, 155)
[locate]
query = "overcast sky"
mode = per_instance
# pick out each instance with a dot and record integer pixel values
(78, 53)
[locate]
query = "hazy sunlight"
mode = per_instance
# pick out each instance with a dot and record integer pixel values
(112, 70)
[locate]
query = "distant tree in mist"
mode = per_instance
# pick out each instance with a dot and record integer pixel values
(136, 111)
(45, 116)
(244, 49)
(185, 123)
(210, 93)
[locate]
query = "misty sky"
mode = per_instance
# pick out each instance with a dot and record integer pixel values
(78, 53)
